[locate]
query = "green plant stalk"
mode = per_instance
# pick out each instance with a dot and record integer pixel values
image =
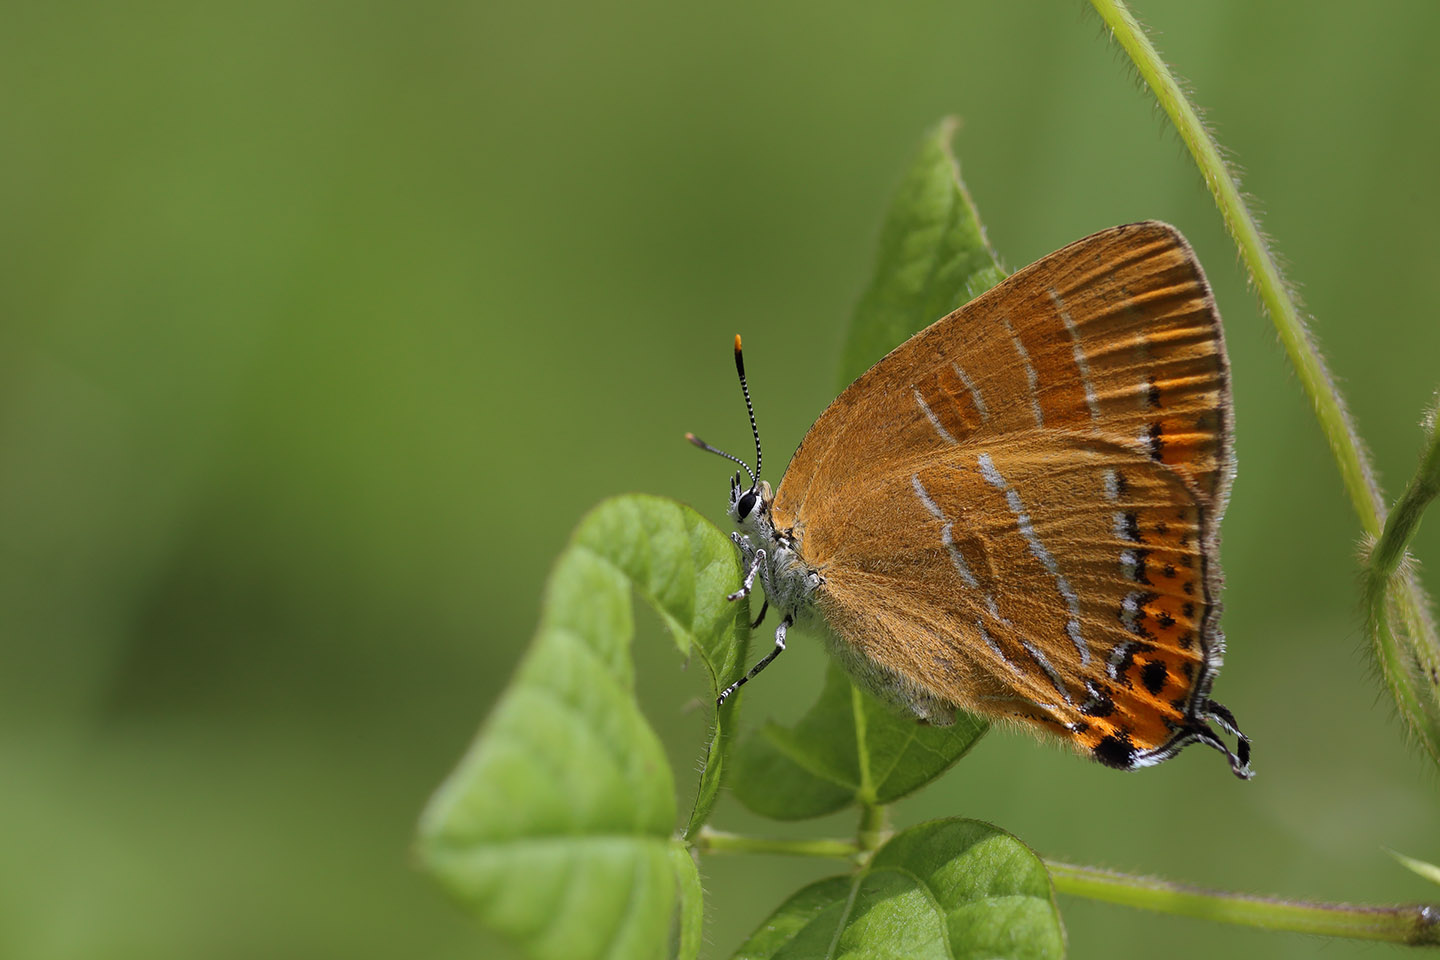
(1412, 924)
(1407, 662)
(1404, 520)
(710, 840)
(874, 817)
(866, 790)
(1387, 574)
(874, 828)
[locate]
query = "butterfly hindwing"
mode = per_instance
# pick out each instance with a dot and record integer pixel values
(1062, 581)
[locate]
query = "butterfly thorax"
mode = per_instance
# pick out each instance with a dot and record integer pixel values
(790, 583)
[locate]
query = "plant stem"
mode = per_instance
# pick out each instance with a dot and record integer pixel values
(874, 827)
(1413, 924)
(1404, 520)
(1410, 660)
(711, 840)
(1416, 924)
(1387, 577)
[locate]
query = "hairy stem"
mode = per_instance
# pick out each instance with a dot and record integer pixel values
(1404, 520)
(1387, 580)
(1413, 924)
(1409, 657)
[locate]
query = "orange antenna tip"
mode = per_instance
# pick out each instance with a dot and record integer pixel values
(695, 440)
(737, 343)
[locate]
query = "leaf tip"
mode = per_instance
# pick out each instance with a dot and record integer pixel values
(1419, 867)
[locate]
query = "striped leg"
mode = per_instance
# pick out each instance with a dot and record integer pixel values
(779, 649)
(744, 590)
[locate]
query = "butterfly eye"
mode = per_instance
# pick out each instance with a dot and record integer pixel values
(746, 504)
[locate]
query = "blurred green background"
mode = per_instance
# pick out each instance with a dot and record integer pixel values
(322, 323)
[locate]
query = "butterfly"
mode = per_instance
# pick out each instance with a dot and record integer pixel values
(1016, 512)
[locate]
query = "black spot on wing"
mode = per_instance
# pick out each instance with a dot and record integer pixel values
(1116, 750)
(1142, 572)
(1154, 675)
(1123, 658)
(1157, 445)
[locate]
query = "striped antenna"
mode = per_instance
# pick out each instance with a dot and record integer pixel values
(716, 450)
(750, 408)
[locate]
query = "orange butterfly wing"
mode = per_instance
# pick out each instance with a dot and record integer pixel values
(1016, 510)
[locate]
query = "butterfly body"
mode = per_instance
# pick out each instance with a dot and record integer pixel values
(1015, 512)
(797, 588)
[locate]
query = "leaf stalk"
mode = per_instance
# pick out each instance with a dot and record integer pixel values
(709, 840)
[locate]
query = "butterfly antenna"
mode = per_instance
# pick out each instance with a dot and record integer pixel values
(716, 450)
(750, 408)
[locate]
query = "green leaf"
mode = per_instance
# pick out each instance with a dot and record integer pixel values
(949, 890)
(555, 829)
(933, 258)
(848, 748)
(692, 900)
(685, 567)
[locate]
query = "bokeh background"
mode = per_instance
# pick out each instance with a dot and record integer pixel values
(321, 324)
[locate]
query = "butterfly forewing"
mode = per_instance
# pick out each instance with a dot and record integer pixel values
(1016, 509)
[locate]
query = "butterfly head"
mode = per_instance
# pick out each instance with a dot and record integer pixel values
(750, 506)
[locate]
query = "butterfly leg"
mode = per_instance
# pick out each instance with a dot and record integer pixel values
(761, 619)
(744, 590)
(779, 649)
(1227, 722)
